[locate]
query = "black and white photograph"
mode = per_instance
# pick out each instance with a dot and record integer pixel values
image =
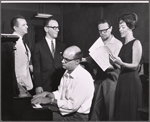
(74, 60)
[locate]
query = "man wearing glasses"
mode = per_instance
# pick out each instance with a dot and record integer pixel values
(75, 92)
(105, 82)
(47, 60)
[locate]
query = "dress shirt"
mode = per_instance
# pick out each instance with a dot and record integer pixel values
(75, 92)
(49, 43)
(22, 64)
(114, 45)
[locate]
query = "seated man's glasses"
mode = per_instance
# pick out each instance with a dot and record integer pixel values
(54, 27)
(66, 60)
(104, 30)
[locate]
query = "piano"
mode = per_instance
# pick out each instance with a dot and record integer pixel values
(13, 105)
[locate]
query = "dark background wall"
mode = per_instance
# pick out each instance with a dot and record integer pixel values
(78, 21)
(80, 26)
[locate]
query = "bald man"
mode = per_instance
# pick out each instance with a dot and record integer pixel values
(75, 92)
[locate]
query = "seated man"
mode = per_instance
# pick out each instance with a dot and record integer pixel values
(75, 92)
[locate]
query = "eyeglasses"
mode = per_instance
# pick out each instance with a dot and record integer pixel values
(66, 60)
(105, 30)
(54, 27)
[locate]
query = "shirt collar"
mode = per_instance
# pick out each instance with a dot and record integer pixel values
(111, 40)
(75, 72)
(47, 39)
(17, 34)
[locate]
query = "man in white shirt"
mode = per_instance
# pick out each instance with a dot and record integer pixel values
(22, 53)
(105, 82)
(75, 92)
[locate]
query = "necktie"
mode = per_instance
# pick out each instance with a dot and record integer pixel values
(52, 47)
(25, 47)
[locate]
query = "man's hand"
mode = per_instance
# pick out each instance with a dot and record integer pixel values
(41, 100)
(38, 90)
(43, 94)
(51, 95)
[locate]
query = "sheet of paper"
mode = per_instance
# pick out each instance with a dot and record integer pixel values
(101, 57)
(37, 106)
(98, 43)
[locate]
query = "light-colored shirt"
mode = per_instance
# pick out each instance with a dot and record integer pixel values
(75, 92)
(114, 45)
(49, 43)
(22, 64)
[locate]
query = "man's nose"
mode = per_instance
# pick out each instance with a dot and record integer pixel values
(57, 29)
(62, 61)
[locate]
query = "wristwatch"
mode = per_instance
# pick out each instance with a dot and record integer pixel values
(52, 100)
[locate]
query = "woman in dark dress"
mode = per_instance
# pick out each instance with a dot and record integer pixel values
(128, 96)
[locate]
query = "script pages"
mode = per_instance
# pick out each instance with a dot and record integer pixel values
(100, 54)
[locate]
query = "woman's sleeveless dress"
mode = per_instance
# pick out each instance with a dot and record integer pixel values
(128, 96)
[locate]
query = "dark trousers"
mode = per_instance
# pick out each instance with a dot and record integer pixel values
(98, 108)
(70, 117)
(103, 101)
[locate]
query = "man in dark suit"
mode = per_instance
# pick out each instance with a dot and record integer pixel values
(47, 67)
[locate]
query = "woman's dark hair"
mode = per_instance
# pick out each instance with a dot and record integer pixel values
(130, 19)
(14, 21)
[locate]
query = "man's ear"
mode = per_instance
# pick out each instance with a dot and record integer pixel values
(46, 29)
(77, 61)
(111, 28)
(15, 28)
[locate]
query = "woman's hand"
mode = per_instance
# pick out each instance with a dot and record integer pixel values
(115, 59)
(118, 61)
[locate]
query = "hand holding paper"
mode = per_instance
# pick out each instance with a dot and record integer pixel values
(100, 54)
(112, 57)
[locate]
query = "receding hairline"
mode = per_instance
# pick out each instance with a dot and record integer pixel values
(74, 52)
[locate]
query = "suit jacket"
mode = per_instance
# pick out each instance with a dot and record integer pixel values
(47, 70)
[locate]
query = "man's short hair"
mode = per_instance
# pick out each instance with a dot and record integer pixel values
(14, 21)
(78, 55)
(102, 21)
(47, 21)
